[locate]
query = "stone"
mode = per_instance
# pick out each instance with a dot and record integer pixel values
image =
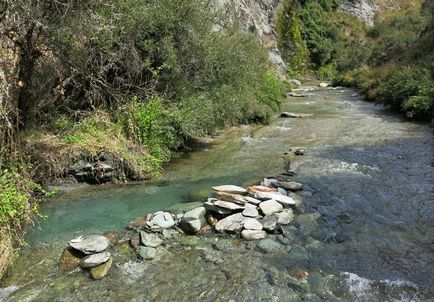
(252, 224)
(256, 189)
(102, 270)
(146, 252)
(193, 220)
(253, 234)
(250, 212)
(276, 196)
(295, 115)
(69, 260)
(230, 189)
(112, 237)
(211, 207)
(163, 220)
(282, 191)
(295, 82)
(235, 198)
(151, 240)
(137, 223)
(231, 224)
(270, 207)
(323, 85)
(135, 241)
(90, 244)
(270, 246)
(299, 152)
(252, 200)
(228, 205)
(365, 10)
(95, 260)
(269, 223)
(224, 245)
(285, 217)
(289, 185)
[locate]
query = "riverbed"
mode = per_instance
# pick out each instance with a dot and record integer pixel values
(368, 172)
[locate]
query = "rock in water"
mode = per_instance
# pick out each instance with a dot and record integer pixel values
(193, 220)
(147, 253)
(289, 185)
(69, 260)
(284, 200)
(211, 207)
(251, 212)
(269, 223)
(252, 224)
(228, 205)
(253, 235)
(270, 207)
(101, 271)
(95, 260)
(163, 219)
(230, 189)
(235, 198)
(90, 244)
(285, 217)
(295, 82)
(323, 85)
(231, 224)
(151, 240)
(269, 246)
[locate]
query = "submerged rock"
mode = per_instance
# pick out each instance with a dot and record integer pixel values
(69, 260)
(230, 189)
(253, 234)
(285, 217)
(146, 252)
(90, 244)
(101, 271)
(270, 207)
(269, 246)
(95, 260)
(269, 223)
(193, 220)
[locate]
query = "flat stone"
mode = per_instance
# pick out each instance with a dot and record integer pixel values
(228, 205)
(230, 189)
(282, 199)
(255, 189)
(193, 220)
(151, 240)
(211, 207)
(252, 200)
(289, 185)
(95, 260)
(90, 244)
(163, 220)
(251, 212)
(270, 246)
(69, 260)
(285, 217)
(235, 198)
(101, 271)
(252, 224)
(269, 223)
(253, 235)
(231, 224)
(270, 207)
(146, 252)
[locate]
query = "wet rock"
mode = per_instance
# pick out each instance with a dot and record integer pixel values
(269, 223)
(269, 246)
(285, 217)
(69, 260)
(295, 115)
(151, 240)
(231, 224)
(102, 270)
(289, 185)
(224, 245)
(95, 260)
(146, 252)
(253, 234)
(235, 198)
(90, 244)
(252, 224)
(307, 222)
(230, 189)
(299, 152)
(270, 207)
(228, 205)
(163, 220)
(298, 254)
(282, 199)
(193, 220)
(135, 241)
(323, 85)
(251, 212)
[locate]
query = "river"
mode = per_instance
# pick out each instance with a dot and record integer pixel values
(367, 171)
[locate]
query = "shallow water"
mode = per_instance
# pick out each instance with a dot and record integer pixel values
(368, 172)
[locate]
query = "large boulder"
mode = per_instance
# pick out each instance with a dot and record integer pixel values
(100, 271)
(231, 224)
(90, 244)
(95, 260)
(193, 220)
(270, 207)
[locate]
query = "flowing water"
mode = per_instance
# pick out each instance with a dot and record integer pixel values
(368, 172)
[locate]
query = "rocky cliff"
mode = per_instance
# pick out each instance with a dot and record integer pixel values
(259, 18)
(365, 10)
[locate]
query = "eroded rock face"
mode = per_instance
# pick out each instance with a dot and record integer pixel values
(365, 10)
(259, 18)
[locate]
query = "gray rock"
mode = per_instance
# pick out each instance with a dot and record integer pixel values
(231, 224)
(253, 234)
(295, 82)
(90, 244)
(224, 245)
(323, 85)
(252, 224)
(163, 220)
(95, 260)
(285, 217)
(147, 253)
(252, 200)
(193, 220)
(181, 208)
(151, 240)
(230, 189)
(282, 199)
(100, 271)
(282, 191)
(270, 207)
(365, 10)
(269, 223)
(211, 207)
(235, 198)
(288, 185)
(251, 212)
(270, 246)
(228, 205)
